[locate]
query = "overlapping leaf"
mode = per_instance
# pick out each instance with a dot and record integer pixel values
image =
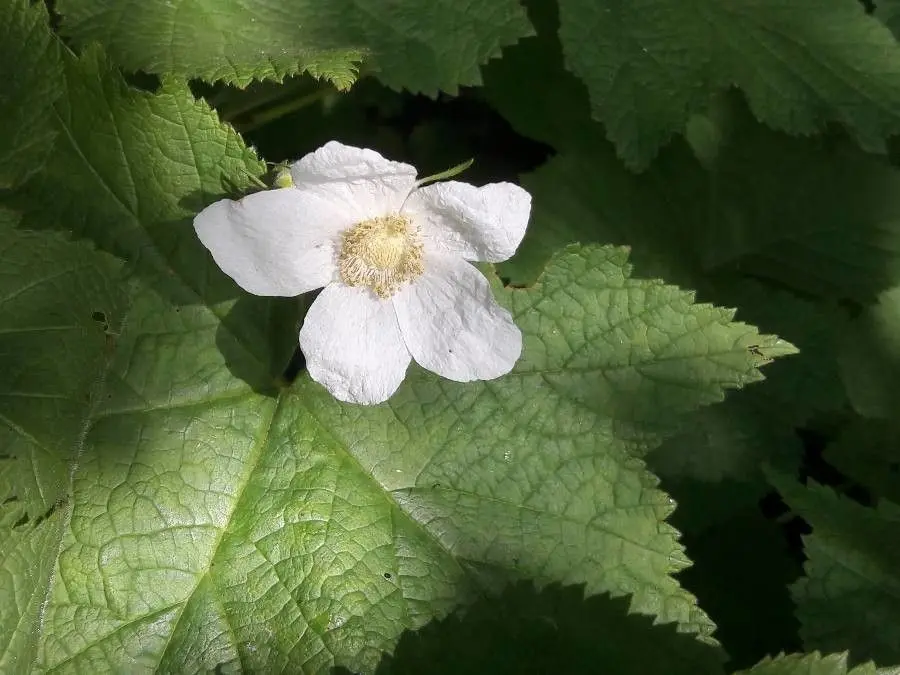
(800, 63)
(850, 595)
(424, 48)
(31, 72)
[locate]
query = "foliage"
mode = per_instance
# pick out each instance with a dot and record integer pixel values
(692, 468)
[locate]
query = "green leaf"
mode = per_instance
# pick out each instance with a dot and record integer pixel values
(848, 598)
(216, 519)
(758, 425)
(870, 357)
(31, 72)
(655, 338)
(801, 64)
(812, 664)
(422, 48)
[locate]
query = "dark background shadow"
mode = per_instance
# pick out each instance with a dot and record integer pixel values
(554, 630)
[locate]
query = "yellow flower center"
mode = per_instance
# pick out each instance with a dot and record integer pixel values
(381, 254)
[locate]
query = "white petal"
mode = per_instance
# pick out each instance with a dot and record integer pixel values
(485, 223)
(452, 324)
(375, 185)
(275, 242)
(353, 346)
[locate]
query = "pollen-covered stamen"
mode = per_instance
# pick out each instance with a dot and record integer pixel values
(381, 253)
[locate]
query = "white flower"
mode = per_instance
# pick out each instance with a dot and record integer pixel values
(391, 257)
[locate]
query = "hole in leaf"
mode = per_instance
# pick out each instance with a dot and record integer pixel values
(98, 316)
(143, 81)
(387, 575)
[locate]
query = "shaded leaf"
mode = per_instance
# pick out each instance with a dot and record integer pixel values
(848, 598)
(868, 451)
(870, 357)
(31, 72)
(812, 664)
(649, 64)
(553, 630)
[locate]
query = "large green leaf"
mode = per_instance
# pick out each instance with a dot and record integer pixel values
(849, 597)
(801, 63)
(31, 72)
(424, 48)
(215, 518)
(299, 532)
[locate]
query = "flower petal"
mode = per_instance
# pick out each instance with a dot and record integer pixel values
(373, 184)
(353, 346)
(485, 223)
(452, 324)
(275, 242)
